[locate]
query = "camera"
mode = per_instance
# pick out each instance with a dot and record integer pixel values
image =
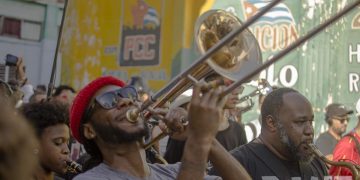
(11, 60)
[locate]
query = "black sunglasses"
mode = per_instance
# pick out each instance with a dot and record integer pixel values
(342, 119)
(110, 99)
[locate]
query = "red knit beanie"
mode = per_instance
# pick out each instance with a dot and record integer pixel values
(82, 100)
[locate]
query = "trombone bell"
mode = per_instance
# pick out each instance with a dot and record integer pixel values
(237, 58)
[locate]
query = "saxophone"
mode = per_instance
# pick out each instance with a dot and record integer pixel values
(354, 168)
(73, 167)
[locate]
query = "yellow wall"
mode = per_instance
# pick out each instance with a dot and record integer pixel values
(92, 38)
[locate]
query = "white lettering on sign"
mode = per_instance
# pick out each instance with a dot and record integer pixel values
(137, 47)
(288, 76)
(354, 53)
(269, 75)
(354, 82)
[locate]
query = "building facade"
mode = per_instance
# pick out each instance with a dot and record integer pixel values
(29, 29)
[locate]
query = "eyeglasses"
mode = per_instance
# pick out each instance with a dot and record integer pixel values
(109, 100)
(341, 119)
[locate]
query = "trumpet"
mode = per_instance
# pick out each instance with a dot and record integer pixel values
(354, 168)
(73, 167)
(263, 88)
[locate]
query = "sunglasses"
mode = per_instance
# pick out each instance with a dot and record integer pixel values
(342, 120)
(110, 99)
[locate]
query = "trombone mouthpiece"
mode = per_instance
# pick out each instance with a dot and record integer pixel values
(132, 115)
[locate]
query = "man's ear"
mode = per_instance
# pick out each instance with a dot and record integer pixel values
(270, 123)
(89, 131)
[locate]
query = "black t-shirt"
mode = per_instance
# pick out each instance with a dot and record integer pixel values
(233, 136)
(174, 150)
(261, 163)
(230, 138)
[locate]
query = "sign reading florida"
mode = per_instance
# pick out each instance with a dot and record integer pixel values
(140, 35)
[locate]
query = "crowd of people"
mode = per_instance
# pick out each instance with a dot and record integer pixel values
(42, 137)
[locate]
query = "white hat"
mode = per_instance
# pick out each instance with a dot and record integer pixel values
(184, 98)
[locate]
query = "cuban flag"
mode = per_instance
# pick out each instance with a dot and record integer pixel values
(279, 13)
(151, 17)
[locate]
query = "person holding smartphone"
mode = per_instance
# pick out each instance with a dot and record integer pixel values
(21, 80)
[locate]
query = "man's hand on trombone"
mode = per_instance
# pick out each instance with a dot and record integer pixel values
(172, 121)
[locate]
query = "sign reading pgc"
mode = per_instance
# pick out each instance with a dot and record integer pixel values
(140, 33)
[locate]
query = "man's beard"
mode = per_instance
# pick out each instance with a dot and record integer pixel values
(292, 147)
(339, 131)
(115, 135)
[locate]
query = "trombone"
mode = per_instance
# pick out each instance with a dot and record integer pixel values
(181, 82)
(229, 62)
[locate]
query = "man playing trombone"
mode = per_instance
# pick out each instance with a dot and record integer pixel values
(98, 120)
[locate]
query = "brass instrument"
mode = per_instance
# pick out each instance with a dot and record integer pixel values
(232, 61)
(73, 167)
(235, 58)
(263, 87)
(157, 156)
(233, 52)
(354, 168)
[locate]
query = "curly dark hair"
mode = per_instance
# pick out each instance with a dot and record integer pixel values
(59, 89)
(44, 114)
(273, 102)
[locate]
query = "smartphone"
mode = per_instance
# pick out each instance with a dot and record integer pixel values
(11, 60)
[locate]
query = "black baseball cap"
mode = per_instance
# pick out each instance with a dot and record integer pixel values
(337, 109)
